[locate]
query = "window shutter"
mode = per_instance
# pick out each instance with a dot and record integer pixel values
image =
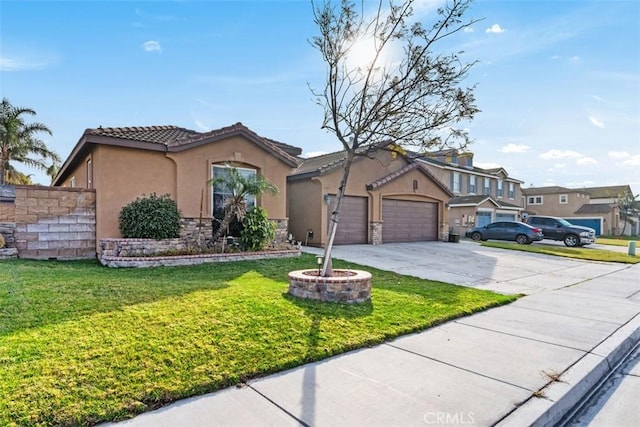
(451, 183)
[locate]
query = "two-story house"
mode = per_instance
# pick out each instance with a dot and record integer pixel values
(576, 206)
(480, 196)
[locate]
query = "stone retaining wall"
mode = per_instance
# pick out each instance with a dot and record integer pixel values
(143, 253)
(50, 222)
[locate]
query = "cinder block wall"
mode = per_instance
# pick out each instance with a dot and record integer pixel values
(55, 222)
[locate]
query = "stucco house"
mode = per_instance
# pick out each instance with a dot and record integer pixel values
(125, 163)
(576, 206)
(479, 196)
(389, 198)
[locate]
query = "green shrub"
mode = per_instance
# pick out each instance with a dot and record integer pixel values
(151, 217)
(258, 231)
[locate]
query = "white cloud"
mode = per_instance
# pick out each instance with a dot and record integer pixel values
(152, 46)
(583, 161)
(597, 123)
(313, 154)
(18, 64)
(495, 29)
(201, 126)
(490, 165)
(515, 148)
(468, 29)
(618, 154)
(633, 161)
(560, 154)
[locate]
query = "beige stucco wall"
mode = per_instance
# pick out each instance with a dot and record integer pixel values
(194, 170)
(120, 175)
(306, 210)
(363, 171)
(551, 204)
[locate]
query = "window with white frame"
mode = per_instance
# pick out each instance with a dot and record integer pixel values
(472, 184)
(456, 182)
(220, 193)
(564, 199)
(499, 188)
(512, 190)
(534, 200)
(72, 182)
(486, 189)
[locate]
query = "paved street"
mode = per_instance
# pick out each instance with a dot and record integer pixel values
(615, 403)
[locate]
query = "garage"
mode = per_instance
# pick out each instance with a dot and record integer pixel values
(409, 221)
(594, 223)
(505, 217)
(352, 225)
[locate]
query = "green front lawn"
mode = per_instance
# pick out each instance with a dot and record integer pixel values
(616, 241)
(585, 253)
(81, 343)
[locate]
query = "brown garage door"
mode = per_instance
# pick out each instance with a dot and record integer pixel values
(408, 221)
(352, 225)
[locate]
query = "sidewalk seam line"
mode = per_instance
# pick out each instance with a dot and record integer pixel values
(278, 406)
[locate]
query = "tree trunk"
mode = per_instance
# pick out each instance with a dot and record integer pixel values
(327, 269)
(223, 228)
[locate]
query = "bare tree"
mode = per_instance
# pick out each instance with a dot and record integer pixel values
(406, 93)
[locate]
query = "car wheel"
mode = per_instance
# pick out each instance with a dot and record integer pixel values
(571, 240)
(522, 239)
(476, 236)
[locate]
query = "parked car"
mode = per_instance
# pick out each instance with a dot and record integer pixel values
(506, 230)
(560, 229)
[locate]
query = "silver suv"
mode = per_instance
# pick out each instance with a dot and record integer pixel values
(560, 229)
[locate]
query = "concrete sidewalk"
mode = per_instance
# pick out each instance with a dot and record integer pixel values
(522, 364)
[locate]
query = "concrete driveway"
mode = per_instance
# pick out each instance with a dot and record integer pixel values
(469, 264)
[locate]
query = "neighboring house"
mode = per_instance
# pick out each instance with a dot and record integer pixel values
(574, 205)
(125, 163)
(388, 198)
(480, 196)
(610, 195)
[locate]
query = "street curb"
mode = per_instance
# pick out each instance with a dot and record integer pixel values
(561, 397)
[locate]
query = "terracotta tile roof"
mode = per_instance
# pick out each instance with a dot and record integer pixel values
(156, 134)
(320, 164)
(594, 208)
(554, 189)
(609, 192)
(177, 137)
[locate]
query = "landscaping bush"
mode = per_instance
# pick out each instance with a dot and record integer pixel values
(257, 230)
(151, 217)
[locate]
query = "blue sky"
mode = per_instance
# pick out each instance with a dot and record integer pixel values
(558, 82)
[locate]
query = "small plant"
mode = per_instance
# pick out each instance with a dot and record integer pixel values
(257, 230)
(152, 217)
(2, 241)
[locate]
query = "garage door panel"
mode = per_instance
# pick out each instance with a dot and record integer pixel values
(409, 221)
(352, 225)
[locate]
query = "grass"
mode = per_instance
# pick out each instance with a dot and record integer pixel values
(81, 343)
(616, 240)
(578, 253)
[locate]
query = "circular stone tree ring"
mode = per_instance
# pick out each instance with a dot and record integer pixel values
(347, 286)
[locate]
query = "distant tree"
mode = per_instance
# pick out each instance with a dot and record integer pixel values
(239, 188)
(17, 178)
(407, 92)
(629, 207)
(18, 141)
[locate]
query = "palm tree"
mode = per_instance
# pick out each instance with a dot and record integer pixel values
(18, 141)
(240, 187)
